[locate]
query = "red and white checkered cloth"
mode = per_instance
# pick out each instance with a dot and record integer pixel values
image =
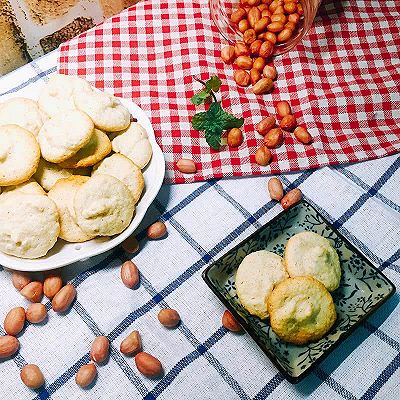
(342, 82)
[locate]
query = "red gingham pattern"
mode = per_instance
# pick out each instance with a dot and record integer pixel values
(342, 82)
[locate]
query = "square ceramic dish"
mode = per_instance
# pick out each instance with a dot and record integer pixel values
(363, 289)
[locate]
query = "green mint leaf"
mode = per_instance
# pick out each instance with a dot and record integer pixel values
(213, 138)
(214, 83)
(230, 121)
(223, 119)
(200, 97)
(199, 121)
(213, 122)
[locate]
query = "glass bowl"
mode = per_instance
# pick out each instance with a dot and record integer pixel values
(222, 9)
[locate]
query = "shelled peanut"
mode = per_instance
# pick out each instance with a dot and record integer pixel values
(230, 323)
(289, 123)
(32, 376)
(276, 192)
(263, 24)
(273, 135)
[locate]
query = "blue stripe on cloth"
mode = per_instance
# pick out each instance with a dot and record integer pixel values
(365, 196)
(298, 181)
(166, 215)
(267, 390)
(87, 318)
(29, 81)
(336, 386)
(382, 379)
(44, 394)
(37, 69)
(390, 262)
(129, 319)
(104, 264)
(184, 234)
(381, 335)
(237, 205)
(357, 180)
(228, 378)
(71, 371)
(19, 360)
(185, 362)
(187, 200)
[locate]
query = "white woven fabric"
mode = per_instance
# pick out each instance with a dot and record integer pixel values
(201, 359)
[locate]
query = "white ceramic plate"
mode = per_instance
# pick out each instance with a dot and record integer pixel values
(64, 253)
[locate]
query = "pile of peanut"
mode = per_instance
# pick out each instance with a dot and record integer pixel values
(274, 136)
(61, 298)
(263, 23)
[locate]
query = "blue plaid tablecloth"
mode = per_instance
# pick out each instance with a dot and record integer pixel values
(201, 359)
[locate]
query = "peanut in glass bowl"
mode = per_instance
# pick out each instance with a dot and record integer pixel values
(222, 9)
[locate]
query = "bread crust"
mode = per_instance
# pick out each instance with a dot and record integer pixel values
(309, 254)
(103, 206)
(19, 155)
(133, 143)
(301, 310)
(256, 277)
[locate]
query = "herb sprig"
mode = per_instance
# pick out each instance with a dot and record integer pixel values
(215, 120)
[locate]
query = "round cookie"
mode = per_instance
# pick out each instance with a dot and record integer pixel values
(98, 147)
(19, 155)
(28, 187)
(103, 206)
(47, 174)
(301, 310)
(56, 96)
(63, 193)
(24, 113)
(125, 170)
(256, 277)
(29, 225)
(134, 143)
(105, 110)
(64, 134)
(309, 254)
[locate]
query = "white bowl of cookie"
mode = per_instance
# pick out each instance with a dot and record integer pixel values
(78, 170)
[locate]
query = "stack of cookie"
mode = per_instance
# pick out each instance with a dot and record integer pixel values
(293, 291)
(62, 145)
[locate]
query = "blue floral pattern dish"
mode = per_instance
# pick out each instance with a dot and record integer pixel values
(362, 290)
